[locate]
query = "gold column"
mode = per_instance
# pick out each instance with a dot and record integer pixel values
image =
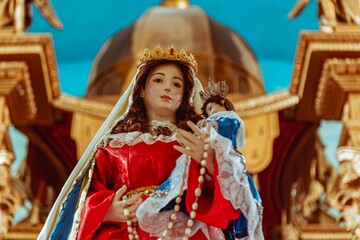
(11, 76)
(353, 123)
(9, 197)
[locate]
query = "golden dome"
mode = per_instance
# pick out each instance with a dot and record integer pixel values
(221, 53)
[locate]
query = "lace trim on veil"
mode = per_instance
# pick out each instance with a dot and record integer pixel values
(234, 184)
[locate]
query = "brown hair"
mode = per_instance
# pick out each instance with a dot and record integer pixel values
(137, 120)
(224, 102)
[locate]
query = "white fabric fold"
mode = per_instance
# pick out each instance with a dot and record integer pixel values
(234, 184)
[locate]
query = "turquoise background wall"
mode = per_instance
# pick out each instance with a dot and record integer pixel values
(263, 23)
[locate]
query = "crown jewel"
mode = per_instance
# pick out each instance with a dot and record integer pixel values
(214, 89)
(166, 54)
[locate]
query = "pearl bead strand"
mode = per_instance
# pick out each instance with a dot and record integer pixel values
(177, 203)
(197, 193)
(132, 230)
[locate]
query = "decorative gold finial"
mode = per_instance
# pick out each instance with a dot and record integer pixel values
(166, 54)
(176, 3)
(16, 16)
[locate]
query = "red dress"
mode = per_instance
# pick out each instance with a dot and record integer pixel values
(143, 165)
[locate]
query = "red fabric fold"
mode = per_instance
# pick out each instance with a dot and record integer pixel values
(213, 209)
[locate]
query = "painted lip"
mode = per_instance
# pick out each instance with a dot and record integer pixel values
(166, 97)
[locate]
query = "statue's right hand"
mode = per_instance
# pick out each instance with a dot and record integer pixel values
(122, 210)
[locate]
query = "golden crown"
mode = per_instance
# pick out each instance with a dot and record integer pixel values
(166, 54)
(214, 89)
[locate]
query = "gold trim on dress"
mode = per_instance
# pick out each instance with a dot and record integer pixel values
(142, 190)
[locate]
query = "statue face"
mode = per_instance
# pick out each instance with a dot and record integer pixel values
(213, 107)
(163, 92)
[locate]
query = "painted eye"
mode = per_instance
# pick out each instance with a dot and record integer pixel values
(178, 85)
(157, 80)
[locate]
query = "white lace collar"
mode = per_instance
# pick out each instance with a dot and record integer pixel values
(156, 123)
(131, 138)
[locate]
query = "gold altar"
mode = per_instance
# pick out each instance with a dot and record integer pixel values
(284, 152)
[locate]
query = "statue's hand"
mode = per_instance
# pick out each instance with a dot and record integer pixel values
(121, 209)
(192, 144)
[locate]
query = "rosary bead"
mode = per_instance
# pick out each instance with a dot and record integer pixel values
(170, 225)
(187, 231)
(126, 212)
(198, 192)
(203, 163)
(190, 223)
(194, 206)
(201, 179)
(206, 146)
(192, 214)
(178, 200)
(177, 208)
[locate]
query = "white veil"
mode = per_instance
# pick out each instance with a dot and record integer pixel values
(84, 167)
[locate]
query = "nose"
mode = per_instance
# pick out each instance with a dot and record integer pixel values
(167, 87)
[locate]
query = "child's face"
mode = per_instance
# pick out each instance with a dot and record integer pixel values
(213, 107)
